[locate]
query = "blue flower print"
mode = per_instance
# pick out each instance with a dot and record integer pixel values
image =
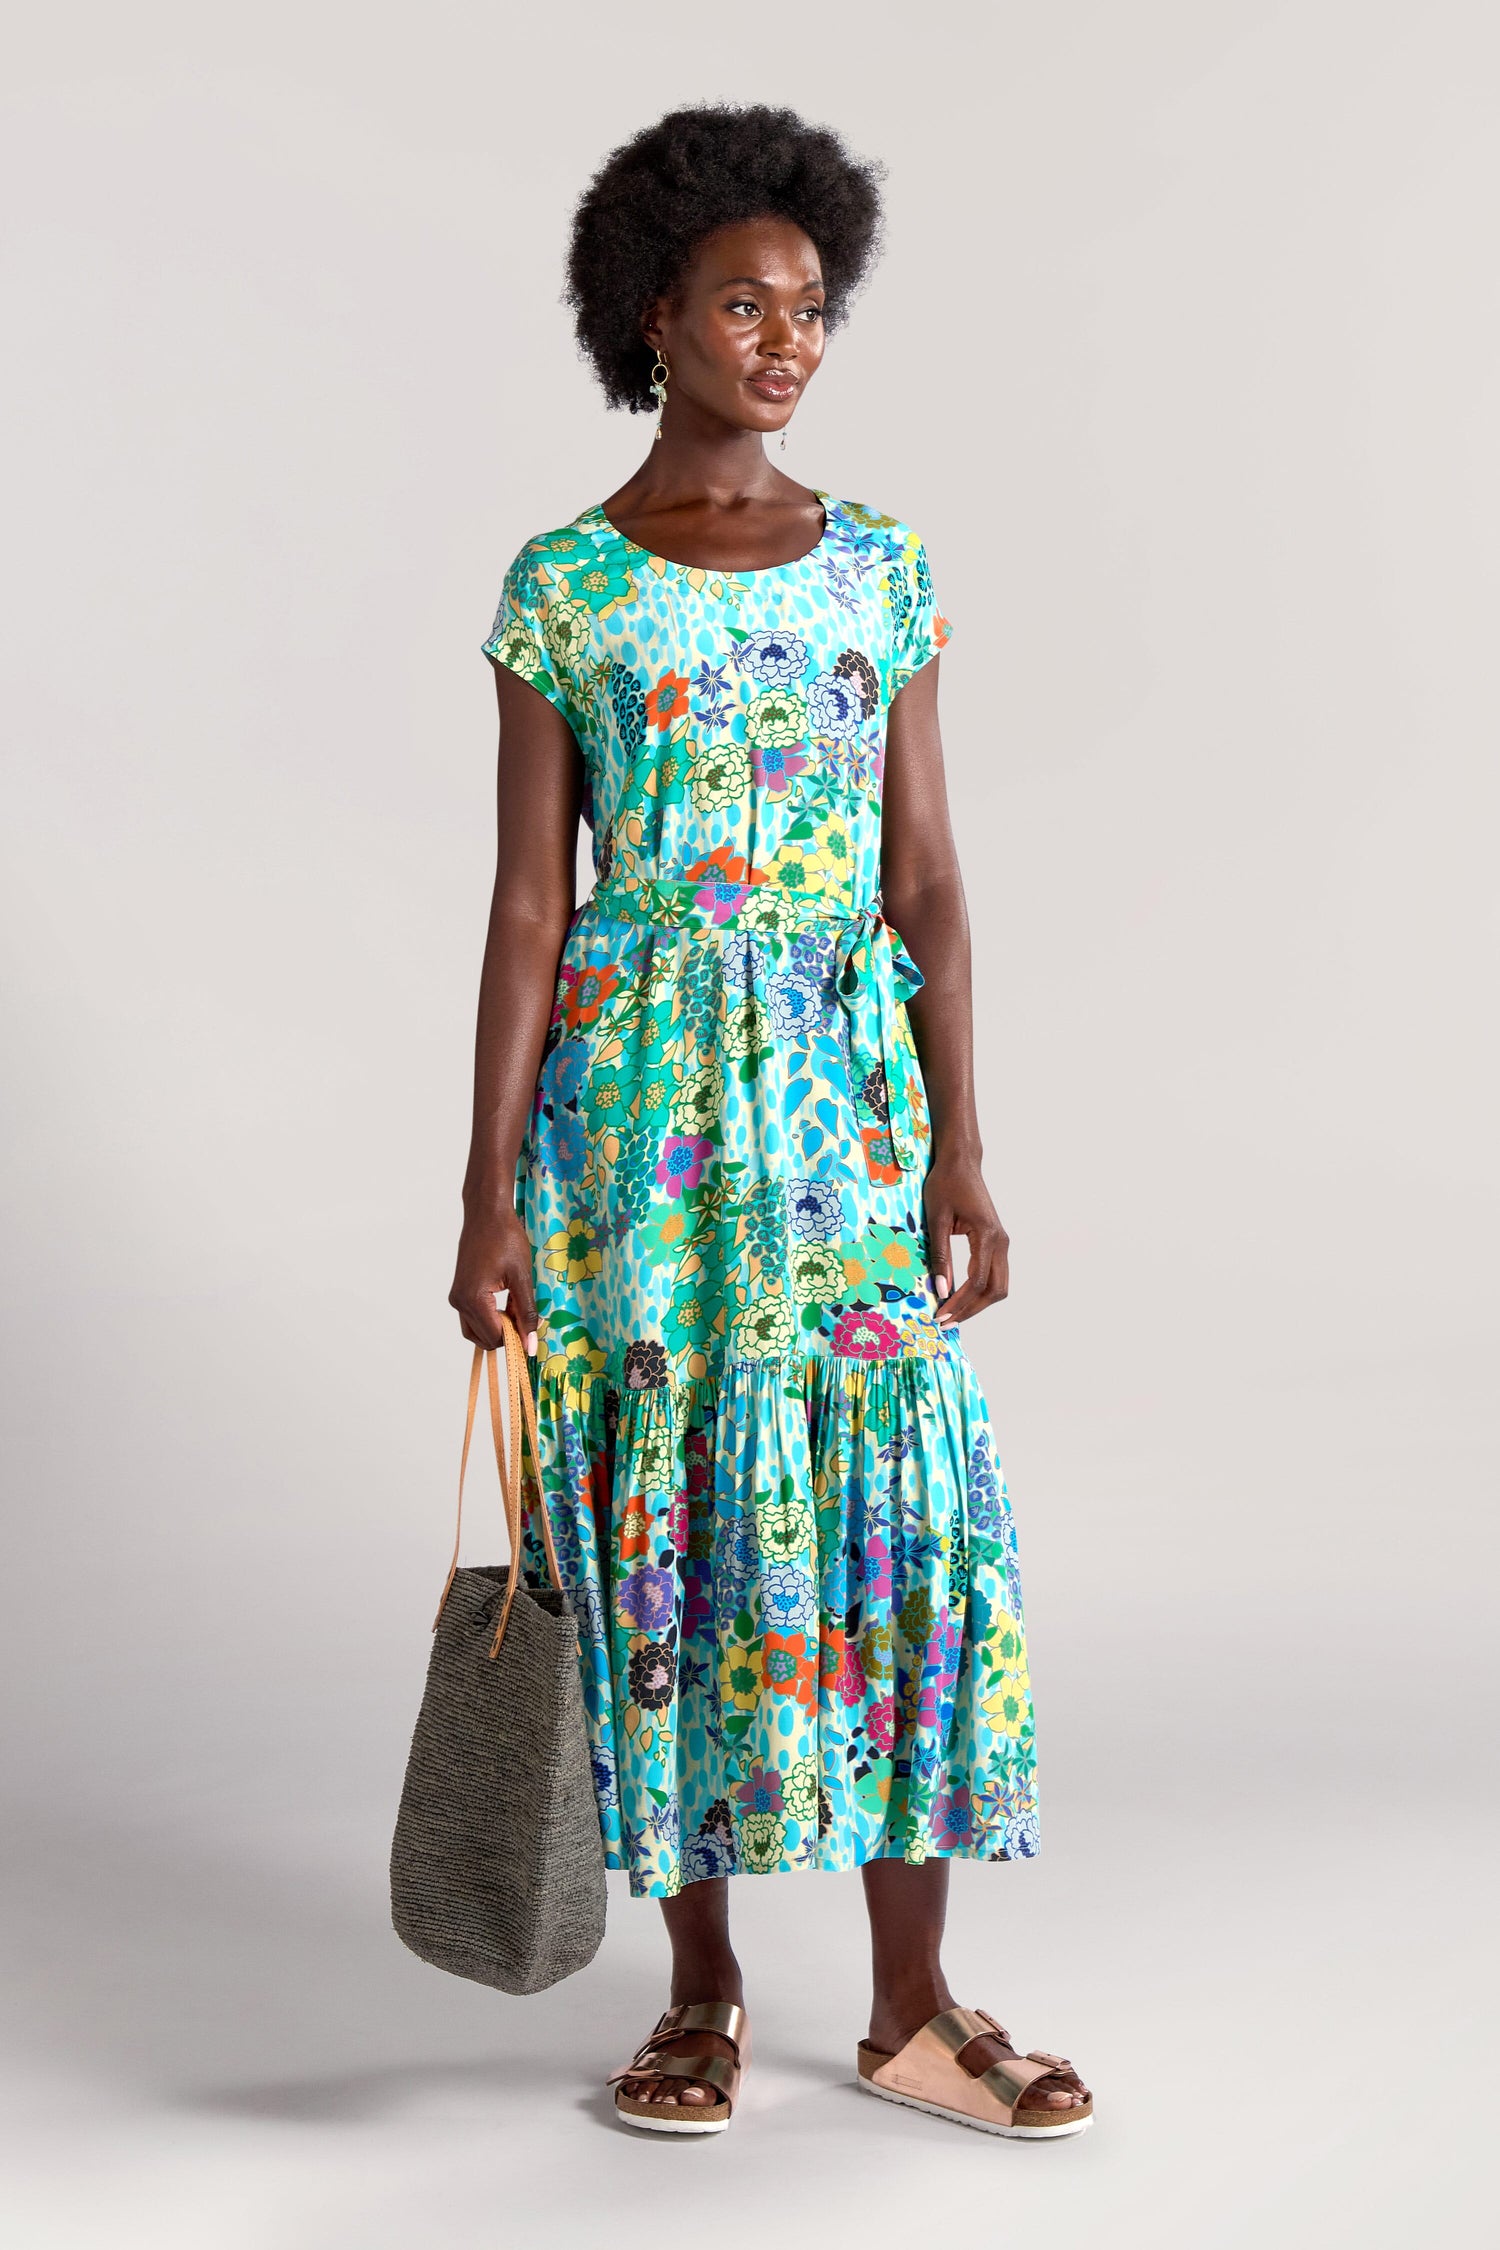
(707, 1854)
(788, 1599)
(776, 659)
(712, 695)
(1023, 1837)
(647, 1598)
(815, 1209)
(563, 1145)
(564, 1071)
(797, 1007)
(834, 706)
(602, 1761)
(741, 962)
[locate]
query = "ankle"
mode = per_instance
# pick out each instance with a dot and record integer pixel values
(706, 1977)
(901, 2005)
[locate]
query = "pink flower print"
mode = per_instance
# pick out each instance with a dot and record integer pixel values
(775, 766)
(682, 1162)
(875, 1572)
(700, 1473)
(952, 1824)
(677, 1522)
(721, 900)
(762, 1791)
(939, 1671)
(852, 1681)
(880, 1726)
(863, 1334)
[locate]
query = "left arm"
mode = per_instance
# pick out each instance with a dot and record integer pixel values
(923, 897)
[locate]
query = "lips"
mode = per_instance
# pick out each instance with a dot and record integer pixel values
(778, 388)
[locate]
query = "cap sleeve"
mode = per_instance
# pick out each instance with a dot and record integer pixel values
(919, 628)
(533, 631)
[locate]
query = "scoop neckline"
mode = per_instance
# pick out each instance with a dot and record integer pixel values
(726, 570)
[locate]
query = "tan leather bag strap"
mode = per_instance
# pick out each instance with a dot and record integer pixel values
(522, 1419)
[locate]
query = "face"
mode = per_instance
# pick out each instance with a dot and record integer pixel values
(743, 334)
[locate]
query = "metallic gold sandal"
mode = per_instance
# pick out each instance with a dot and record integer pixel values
(705, 2067)
(928, 2073)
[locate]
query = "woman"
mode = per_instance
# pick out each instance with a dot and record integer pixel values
(708, 1166)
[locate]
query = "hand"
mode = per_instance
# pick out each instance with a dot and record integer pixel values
(494, 1252)
(958, 1202)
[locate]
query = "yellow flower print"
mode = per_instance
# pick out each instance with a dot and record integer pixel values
(797, 869)
(521, 651)
(1006, 1643)
(740, 1669)
(565, 628)
(765, 1328)
(799, 1789)
(746, 1028)
(720, 776)
(761, 1838)
(574, 1364)
(698, 1101)
(777, 719)
(875, 1653)
(767, 910)
(1008, 1703)
(573, 1252)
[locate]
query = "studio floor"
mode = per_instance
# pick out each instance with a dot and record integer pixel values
(1282, 2020)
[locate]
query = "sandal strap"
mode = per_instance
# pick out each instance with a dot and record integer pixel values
(932, 2059)
(726, 2017)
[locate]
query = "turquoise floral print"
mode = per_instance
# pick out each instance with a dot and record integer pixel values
(769, 1473)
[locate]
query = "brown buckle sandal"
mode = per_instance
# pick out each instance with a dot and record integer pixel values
(704, 2068)
(929, 2073)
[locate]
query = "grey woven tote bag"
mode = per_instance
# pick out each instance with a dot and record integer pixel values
(497, 1864)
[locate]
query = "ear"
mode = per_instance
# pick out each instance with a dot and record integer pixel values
(651, 322)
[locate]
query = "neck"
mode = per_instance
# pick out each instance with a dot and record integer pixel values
(701, 457)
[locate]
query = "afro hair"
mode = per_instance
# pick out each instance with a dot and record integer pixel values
(653, 200)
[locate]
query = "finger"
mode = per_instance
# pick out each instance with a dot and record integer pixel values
(940, 1249)
(521, 1304)
(977, 1290)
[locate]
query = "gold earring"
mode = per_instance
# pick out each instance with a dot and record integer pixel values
(659, 390)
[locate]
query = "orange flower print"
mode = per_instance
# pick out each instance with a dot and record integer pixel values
(723, 866)
(789, 1668)
(668, 700)
(880, 1157)
(585, 991)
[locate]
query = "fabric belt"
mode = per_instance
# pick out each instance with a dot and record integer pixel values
(874, 975)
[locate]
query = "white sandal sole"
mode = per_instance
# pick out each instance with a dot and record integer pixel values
(979, 2124)
(671, 2124)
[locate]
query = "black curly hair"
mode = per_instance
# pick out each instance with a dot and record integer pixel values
(653, 200)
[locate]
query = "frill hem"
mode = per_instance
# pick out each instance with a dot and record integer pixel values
(799, 1615)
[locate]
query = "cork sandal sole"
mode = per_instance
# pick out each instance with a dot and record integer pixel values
(674, 2117)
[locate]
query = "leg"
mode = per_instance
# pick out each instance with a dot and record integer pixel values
(703, 1968)
(908, 1907)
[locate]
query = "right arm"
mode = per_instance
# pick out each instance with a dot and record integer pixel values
(540, 797)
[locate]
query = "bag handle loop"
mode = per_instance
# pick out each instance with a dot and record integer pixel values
(522, 1419)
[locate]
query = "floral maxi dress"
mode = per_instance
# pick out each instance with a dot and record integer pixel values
(768, 1472)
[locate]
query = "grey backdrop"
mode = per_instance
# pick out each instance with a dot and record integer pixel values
(1184, 359)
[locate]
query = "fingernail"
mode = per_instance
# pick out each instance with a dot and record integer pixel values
(940, 1284)
(531, 1343)
(945, 1320)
